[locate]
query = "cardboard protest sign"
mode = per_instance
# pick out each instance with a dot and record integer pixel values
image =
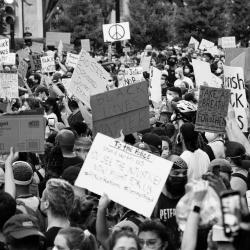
(155, 88)
(72, 59)
(145, 63)
(228, 42)
(52, 38)
(133, 75)
(212, 109)
(128, 175)
(37, 47)
(48, 64)
(195, 42)
(123, 108)
(116, 32)
(234, 80)
(4, 46)
(85, 43)
(8, 59)
(22, 69)
(9, 85)
(24, 132)
(205, 44)
(89, 78)
(35, 61)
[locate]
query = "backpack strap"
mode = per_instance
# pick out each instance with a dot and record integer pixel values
(239, 175)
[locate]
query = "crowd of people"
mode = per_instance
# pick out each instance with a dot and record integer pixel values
(40, 208)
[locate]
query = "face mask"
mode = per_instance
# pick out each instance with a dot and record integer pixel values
(170, 98)
(176, 185)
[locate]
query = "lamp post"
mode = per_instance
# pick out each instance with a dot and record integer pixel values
(117, 19)
(10, 19)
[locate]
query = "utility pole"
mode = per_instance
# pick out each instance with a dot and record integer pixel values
(118, 19)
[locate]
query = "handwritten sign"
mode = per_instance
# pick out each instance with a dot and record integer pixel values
(155, 88)
(89, 78)
(35, 61)
(145, 63)
(205, 44)
(37, 47)
(22, 69)
(52, 38)
(23, 132)
(66, 84)
(128, 175)
(116, 32)
(9, 85)
(194, 42)
(72, 60)
(4, 46)
(212, 109)
(48, 64)
(85, 43)
(234, 80)
(228, 42)
(133, 75)
(8, 59)
(123, 108)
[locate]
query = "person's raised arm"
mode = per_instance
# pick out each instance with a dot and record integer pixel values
(9, 186)
(102, 231)
(189, 239)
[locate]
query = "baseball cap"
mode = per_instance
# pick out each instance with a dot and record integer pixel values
(234, 149)
(143, 146)
(23, 173)
(225, 166)
(20, 226)
(152, 139)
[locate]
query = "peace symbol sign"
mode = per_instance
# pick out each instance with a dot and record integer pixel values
(116, 32)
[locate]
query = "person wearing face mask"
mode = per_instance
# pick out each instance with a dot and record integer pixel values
(174, 189)
(166, 147)
(121, 79)
(180, 79)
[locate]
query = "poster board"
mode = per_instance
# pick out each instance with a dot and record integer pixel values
(234, 80)
(72, 59)
(37, 47)
(145, 63)
(8, 59)
(194, 42)
(24, 132)
(128, 175)
(212, 109)
(205, 44)
(35, 61)
(89, 78)
(22, 69)
(66, 84)
(4, 46)
(85, 43)
(48, 64)
(9, 85)
(124, 108)
(116, 32)
(52, 38)
(133, 75)
(228, 42)
(155, 88)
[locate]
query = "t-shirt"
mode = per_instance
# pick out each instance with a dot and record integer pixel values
(77, 117)
(51, 235)
(72, 161)
(197, 161)
(166, 212)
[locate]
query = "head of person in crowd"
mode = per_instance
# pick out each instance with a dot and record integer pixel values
(57, 200)
(73, 238)
(81, 129)
(208, 57)
(42, 93)
(65, 139)
(73, 105)
(51, 106)
(177, 179)
(190, 97)
(164, 80)
(7, 208)
(125, 240)
(189, 137)
(179, 73)
(82, 146)
(166, 147)
(170, 130)
(152, 235)
(173, 93)
(235, 153)
(111, 82)
(31, 104)
(148, 50)
(121, 75)
(172, 62)
(154, 141)
(22, 232)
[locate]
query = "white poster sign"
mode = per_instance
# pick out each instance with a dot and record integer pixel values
(228, 42)
(205, 44)
(4, 46)
(195, 42)
(72, 60)
(155, 88)
(116, 32)
(48, 64)
(133, 75)
(234, 80)
(129, 176)
(9, 85)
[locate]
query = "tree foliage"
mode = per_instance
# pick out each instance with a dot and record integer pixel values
(2, 14)
(202, 19)
(151, 22)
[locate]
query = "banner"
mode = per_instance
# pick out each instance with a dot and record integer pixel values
(116, 32)
(212, 109)
(89, 78)
(133, 75)
(129, 176)
(85, 43)
(52, 38)
(4, 46)
(9, 85)
(234, 80)
(72, 60)
(205, 44)
(155, 88)
(22, 69)
(124, 108)
(228, 42)
(48, 64)
(23, 132)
